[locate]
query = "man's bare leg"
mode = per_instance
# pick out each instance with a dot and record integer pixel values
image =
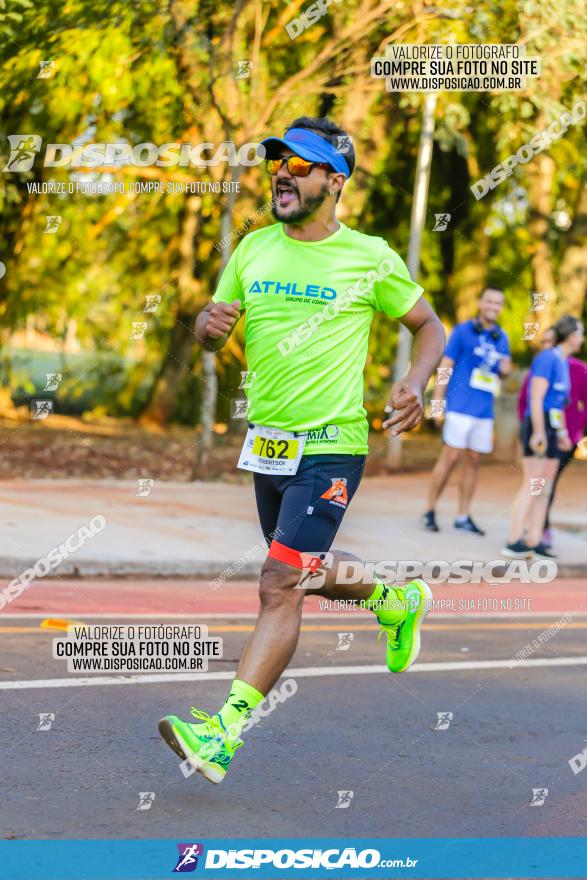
(539, 508)
(274, 640)
(525, 516)
(212, 744)
(468, 484)
(277, 631)
(443, 468)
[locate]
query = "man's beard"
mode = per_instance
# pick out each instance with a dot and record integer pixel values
(307, 206)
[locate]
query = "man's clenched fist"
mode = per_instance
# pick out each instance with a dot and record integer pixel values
(405, 406)
(221, 317)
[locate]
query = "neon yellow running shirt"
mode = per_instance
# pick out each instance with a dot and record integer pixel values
(308, 309)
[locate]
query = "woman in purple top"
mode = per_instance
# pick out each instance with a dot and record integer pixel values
(544, 435)
(575, 417)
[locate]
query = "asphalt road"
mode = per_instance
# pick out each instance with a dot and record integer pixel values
(373, 734)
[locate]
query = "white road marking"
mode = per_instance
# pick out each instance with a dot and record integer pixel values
(307, 672)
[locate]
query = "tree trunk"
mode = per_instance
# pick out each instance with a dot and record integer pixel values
(208, 413)
(468, 279)
(540, 185)
(209, 377)
(181, 340)
(572, 274)
(173, 369)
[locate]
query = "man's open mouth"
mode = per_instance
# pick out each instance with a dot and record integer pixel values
(285, 194)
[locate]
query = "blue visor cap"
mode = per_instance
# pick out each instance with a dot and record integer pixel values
(309, 146)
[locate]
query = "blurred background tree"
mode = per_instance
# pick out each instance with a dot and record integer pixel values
(168, 71)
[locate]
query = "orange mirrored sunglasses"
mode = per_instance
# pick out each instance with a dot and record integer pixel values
(296, 166)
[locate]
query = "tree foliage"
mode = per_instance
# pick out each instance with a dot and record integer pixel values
(159, 71)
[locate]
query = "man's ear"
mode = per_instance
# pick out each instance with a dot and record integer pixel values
(335, 184)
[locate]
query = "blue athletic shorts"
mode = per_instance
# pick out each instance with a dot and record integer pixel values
(303, 511)
(551, 451)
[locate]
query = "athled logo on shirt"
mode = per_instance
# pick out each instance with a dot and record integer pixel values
(315, 291)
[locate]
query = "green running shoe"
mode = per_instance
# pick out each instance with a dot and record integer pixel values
(403, 639)
(206, 746)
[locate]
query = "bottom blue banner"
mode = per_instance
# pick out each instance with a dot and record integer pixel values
(532, 857)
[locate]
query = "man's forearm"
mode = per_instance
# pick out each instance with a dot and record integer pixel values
(440, 387)
(429, 342)
(439, 392)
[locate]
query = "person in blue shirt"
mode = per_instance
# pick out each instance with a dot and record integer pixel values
(476, 356)
(544, 437)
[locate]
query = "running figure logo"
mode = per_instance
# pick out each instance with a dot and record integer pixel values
(441, 222)
(437, 407)
(243, 70)
(187, 859)
(444, 719)
(337, 494)
(146, 799)
(47, 70)
(539, 301)
(23, 148)
(145, 486)
(247, 378)
(342, 143)
(443, 375)
(40, 409)
(46, 719)
(138, 329)
(152, 302)
(53, 223)
(539, 795)
(239, 407)
(315, 567)
(530, 331)
(52, 383)
(344, 800)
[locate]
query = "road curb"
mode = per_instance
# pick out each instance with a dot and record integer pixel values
(192, 569)
(136, 568)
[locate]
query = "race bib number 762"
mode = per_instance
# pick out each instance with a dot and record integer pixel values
(271, 451)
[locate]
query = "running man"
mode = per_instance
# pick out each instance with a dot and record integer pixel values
(544, 434)
(309, 286)
(477, 354)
